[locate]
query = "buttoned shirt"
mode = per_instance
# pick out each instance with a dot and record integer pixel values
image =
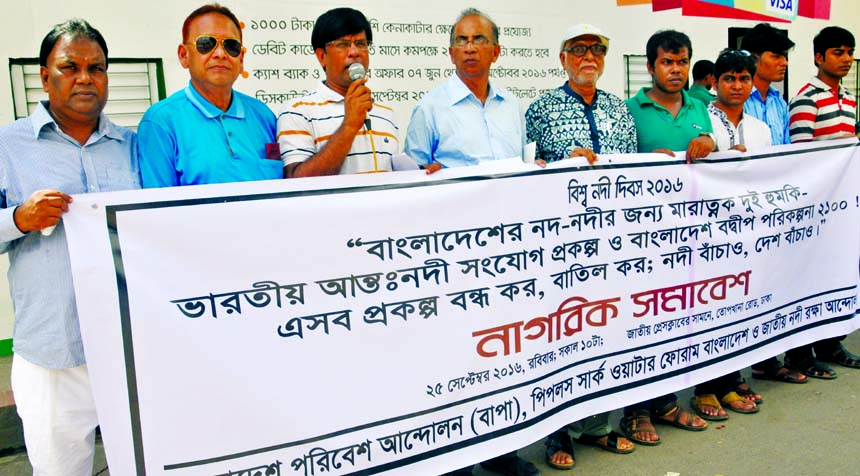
(820, 112)
(187, 140)
(773, 111)
(750, 132)
(560, 121)
(36, 155)
(452, 127)
(306, 125)
(656, 128)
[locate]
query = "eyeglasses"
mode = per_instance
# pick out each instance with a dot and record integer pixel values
(727, 53)
(345, 45)
(205, 44)
(462, 41)
(579, 50)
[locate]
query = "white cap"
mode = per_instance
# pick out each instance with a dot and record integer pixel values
(581, 29)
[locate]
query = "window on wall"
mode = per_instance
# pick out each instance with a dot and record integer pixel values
(134, 85)
(636, 70)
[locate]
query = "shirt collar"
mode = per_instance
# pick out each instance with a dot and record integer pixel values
(642, 98)
(328, 94)
(41, 118)
(567, 89)
(236, 109)
(457, 90)
(818, 83)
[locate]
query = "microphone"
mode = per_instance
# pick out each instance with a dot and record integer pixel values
(357, 71)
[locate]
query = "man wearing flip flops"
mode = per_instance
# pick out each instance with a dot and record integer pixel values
(577, 119)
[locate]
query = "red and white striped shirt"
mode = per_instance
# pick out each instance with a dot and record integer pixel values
(819, 112)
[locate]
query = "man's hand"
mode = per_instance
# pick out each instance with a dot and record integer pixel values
(663, 151)
(41, 210)
(699, 148)
(589, 154)
(433, 167)
(357, 102)
(540, 163)
(739, 147)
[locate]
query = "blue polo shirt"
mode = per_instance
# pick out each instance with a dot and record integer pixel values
(186, 140)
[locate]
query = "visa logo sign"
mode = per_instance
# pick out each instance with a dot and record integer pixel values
(781, 6)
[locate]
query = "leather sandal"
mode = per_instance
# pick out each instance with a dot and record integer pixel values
(559, 442)
(731, 397)
(676, 413)
(639, 421)
(739, 385)
(611, 443)
(841, 356)
(709, 400)
(780, 373)
(811, 367)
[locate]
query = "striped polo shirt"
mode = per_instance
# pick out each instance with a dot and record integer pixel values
(306, 125)
(819, 112)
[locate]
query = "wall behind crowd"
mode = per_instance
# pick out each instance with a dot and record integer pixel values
(410, 46)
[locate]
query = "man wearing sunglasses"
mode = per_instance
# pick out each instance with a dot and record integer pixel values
(338, 129)
(208, 132)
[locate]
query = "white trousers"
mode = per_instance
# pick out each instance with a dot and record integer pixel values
(59, 416)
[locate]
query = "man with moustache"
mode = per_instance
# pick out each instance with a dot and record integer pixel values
(667, 120)
(464, 122)
(580, 120)
(208, 132)
(66, 146)
(339, 128)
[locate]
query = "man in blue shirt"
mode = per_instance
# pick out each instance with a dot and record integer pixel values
(467, 120)
(464, 122)
(66, 146)
(207, 132)
(770, 48)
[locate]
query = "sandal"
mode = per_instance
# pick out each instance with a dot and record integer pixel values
(611, 443)
(841, 356)
(674, 414)
(739, 385)
(811, 367)
(559, 442)
(639, 422)
(708, 400)
(779, 373)
(732, 397)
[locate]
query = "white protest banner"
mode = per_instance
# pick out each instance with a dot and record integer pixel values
(405, 324)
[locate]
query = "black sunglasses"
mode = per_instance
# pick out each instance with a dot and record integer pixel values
(206, 43)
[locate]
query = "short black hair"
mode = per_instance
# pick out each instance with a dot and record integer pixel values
(337, 23)
(734, 61)
(702, 69)
(72, 29)
(205, 10)
(831, 37)
(764, 37)
(671, 41)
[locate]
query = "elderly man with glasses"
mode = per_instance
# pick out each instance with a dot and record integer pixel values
(207, 132)
(467, 120)
(338, 128)
(579, 120)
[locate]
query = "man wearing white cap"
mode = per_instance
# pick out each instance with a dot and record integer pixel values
(579, 120)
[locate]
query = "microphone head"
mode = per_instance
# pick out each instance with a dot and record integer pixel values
(357, 71)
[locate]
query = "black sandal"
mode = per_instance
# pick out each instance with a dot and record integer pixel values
(840, 356)
(811, 367)
(610, 445)
(559, 442)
